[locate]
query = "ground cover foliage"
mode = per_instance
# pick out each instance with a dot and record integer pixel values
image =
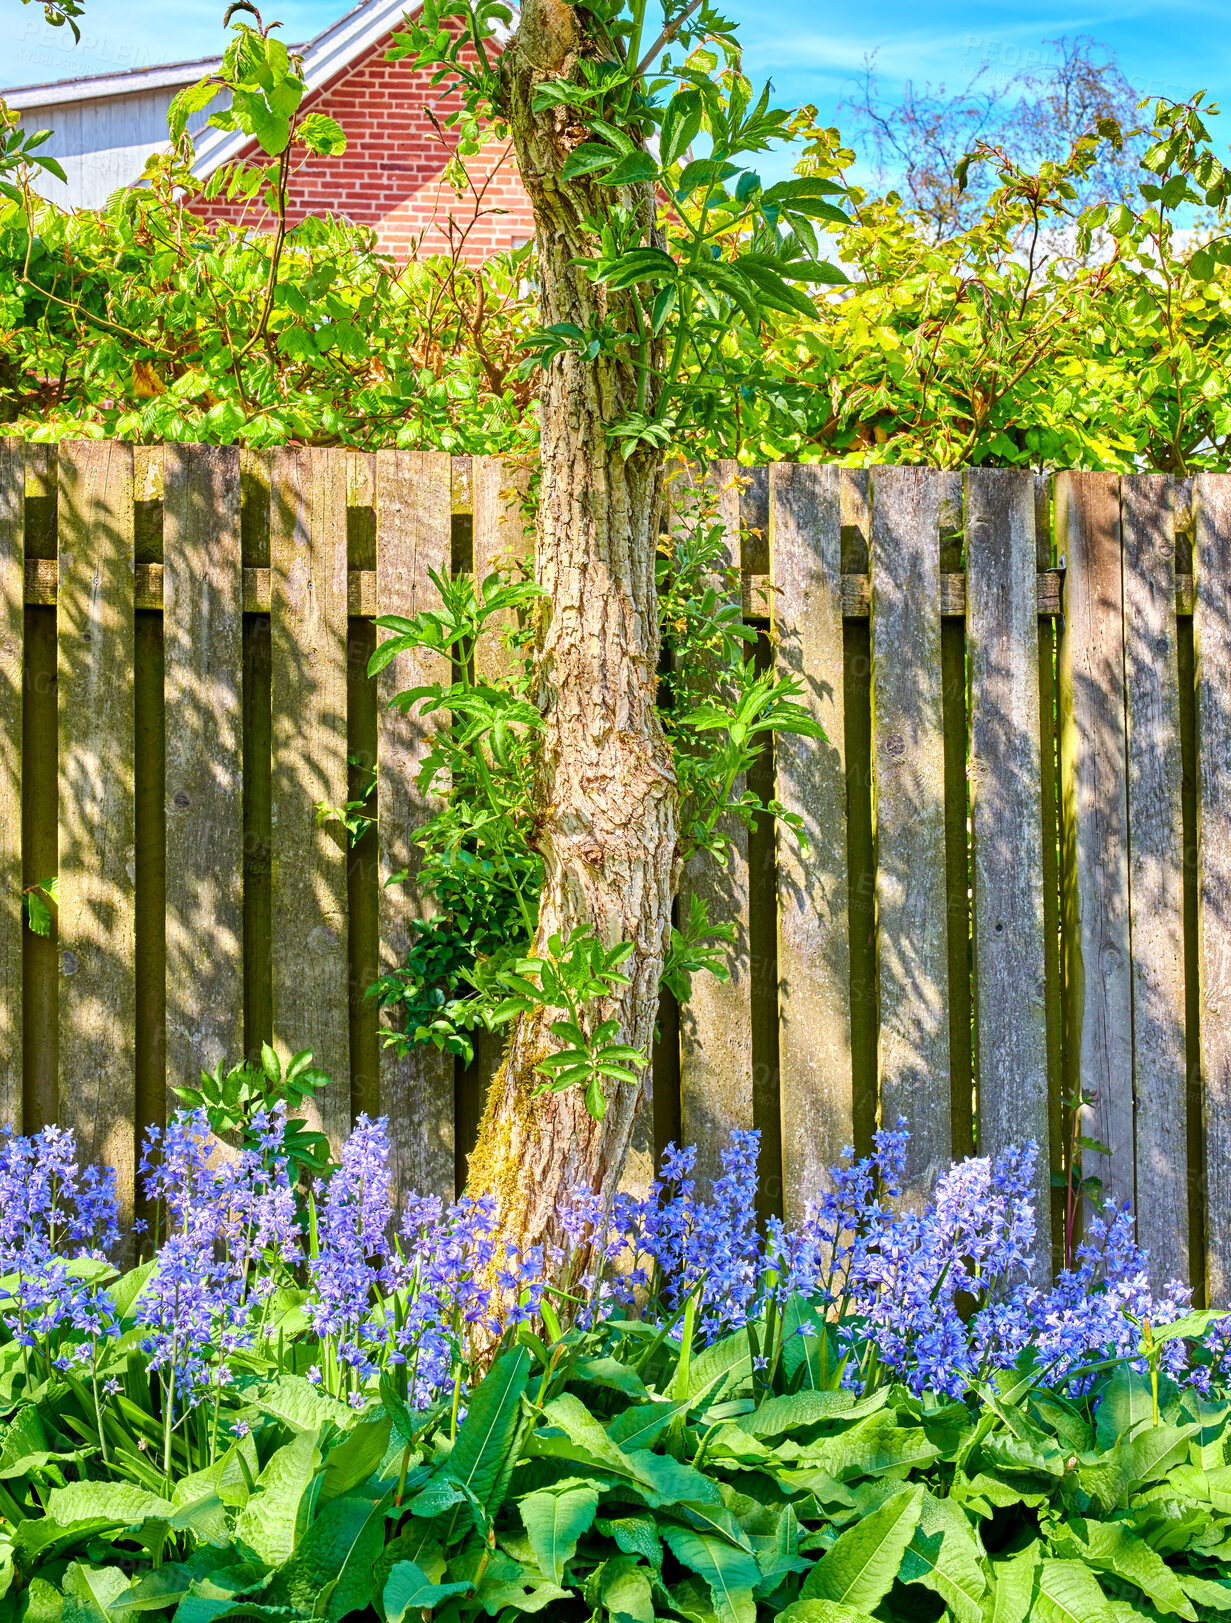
(1048, 325)
(303, 1403)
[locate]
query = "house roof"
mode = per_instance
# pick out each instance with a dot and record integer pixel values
(325, 59)
(103, 86)
(329, 55)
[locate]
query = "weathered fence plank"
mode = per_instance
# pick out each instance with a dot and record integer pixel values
(309, 889)
(413, 500)
(12, 646)
(814, 960)
(503, 543)
(96, 640)
(1094, 802)
(1212, 637)
(716, 1080)
(1156, 873)
(908, 762)
(203, 652)
(1007, 824)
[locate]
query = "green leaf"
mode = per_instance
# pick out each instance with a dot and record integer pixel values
(1152, 1452)
(555, 1522)
(797, 1410)
(83, 1509)
(272, 1522)
(944, 1556)
(732, 1574)
(610, 1373)
(817, 1610)
(330, 1573)
(352, 1461)
(409, 1589)
(1212, 1593)
(725, 1366)
(489, 1443)
(1126, 1404)
(322, 135)
(1111, 1547)
(1012, 1583)
(89, 1592)
(300, 1405)
(864, 1560)
(1069, 1593)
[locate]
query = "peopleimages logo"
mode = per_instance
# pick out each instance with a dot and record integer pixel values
(43, 52)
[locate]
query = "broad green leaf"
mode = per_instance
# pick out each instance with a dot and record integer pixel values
(1214, 1594)
(1111, 1547)
(25, 1447)
(409, 1589)
(89, 1592)
(489, 1443)
(272, 1522)
(1151, 1453)
(352, 1460)
(1126, 1404)
(1069, 1593)
(612, 1374)
(642, 1424)
(1012, 1586)
(799, 1409)
(330, 1573)
(555, 1523)
(505, 1581)
(625, 1592)
(874, 1445)
(731, 1574)
(818, 1610)
(722, 1370)
(944, 1556)
(85, 1509)
(299, 1404)
(863, 1562)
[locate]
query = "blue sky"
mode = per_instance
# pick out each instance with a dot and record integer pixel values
(813, 52)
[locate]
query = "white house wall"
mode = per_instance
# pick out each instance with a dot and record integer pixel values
(102, 145)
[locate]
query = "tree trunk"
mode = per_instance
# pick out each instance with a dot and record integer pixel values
(605, 785)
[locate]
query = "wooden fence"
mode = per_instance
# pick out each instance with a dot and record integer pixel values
(1017, 887)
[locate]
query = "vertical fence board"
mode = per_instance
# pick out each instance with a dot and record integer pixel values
(1044, 542)
(1007, 825)
(203, 643)
(1156, 873)
(814, 960)
(500, 541)
(1212, 637)
(12, 650)
(503, 542)
(908, 763)
(96, 645)
(1094, 799)
(716, 1081)
(308, 609)
(413, 519)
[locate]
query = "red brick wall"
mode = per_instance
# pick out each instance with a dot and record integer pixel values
(391, 175)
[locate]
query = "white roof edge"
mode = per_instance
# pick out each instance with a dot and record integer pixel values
(328, 56)
(101, 87)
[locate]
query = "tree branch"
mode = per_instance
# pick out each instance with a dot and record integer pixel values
(665, 38)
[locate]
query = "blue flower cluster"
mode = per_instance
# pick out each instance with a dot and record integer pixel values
(938, 1298)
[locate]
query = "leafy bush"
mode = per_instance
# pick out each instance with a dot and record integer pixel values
(468, 967)
(283, 1414)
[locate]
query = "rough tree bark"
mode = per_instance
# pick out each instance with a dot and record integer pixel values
(605, 786)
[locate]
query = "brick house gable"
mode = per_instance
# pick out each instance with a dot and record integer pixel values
(392, 175)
